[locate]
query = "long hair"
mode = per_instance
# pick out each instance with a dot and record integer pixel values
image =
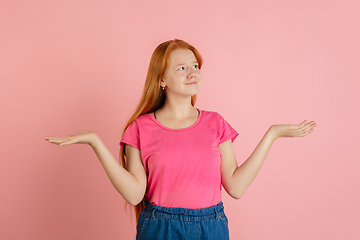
(153, 96)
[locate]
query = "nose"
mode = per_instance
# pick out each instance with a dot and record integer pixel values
(192, 73)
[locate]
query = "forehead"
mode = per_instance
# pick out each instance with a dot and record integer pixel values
(179, 56)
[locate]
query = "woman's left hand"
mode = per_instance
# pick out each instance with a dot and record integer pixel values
(289, 130)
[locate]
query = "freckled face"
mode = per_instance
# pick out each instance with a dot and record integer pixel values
(182, 76)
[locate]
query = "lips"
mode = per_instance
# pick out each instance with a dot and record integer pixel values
(191, 83)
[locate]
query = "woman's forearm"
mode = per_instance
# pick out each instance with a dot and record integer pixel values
(124, 182)
(246, 172)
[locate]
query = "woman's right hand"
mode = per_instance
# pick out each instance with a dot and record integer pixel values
(83, 137)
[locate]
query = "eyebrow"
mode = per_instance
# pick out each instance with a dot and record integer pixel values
(185, 63)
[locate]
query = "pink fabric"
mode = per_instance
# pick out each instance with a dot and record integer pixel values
(182, 165)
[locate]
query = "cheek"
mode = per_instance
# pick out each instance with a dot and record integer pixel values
(199, 76)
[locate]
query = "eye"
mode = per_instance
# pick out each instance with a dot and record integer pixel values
(196, 66)
(181, 68)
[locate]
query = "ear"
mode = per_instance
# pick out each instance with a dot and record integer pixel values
(162, 83)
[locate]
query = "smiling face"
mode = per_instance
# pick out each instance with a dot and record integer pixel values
(182, 77)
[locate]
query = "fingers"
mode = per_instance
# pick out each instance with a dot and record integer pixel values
(310, 125)
(60, 141)
(50, 138)
(68, 142)
(304, 133)
(303, 123)
(305, 129)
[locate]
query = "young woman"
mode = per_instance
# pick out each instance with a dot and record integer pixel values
(175, 157)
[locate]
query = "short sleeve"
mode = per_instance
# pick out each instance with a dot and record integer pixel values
(226, 131)
(131, 136)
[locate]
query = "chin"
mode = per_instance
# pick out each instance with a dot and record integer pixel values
(192, 93)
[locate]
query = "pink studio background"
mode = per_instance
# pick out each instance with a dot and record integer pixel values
(67, 66)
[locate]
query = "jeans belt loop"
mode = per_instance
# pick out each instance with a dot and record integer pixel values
(153, 212)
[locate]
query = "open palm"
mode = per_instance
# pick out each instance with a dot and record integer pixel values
(290, 130)
(83, 137)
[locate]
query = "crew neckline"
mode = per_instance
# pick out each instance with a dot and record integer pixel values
(178, 129)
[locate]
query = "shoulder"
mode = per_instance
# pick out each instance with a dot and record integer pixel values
(215, 118)
(211, 115)
(142, 123)
(141, 119)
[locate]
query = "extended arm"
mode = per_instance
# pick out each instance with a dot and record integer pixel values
(236, 179)
(130, 182)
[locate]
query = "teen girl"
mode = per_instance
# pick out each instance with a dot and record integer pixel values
(175, 157)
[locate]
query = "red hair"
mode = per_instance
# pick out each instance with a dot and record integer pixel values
(153, 97)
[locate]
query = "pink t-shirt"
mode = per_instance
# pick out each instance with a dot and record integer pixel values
(182, 165)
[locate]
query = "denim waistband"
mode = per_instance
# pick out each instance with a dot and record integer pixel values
(185, 211)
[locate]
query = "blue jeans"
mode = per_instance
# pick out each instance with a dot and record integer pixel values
(156, 222)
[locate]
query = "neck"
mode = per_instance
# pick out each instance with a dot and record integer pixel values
(181, 108)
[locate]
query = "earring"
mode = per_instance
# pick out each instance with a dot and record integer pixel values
(163, 88)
